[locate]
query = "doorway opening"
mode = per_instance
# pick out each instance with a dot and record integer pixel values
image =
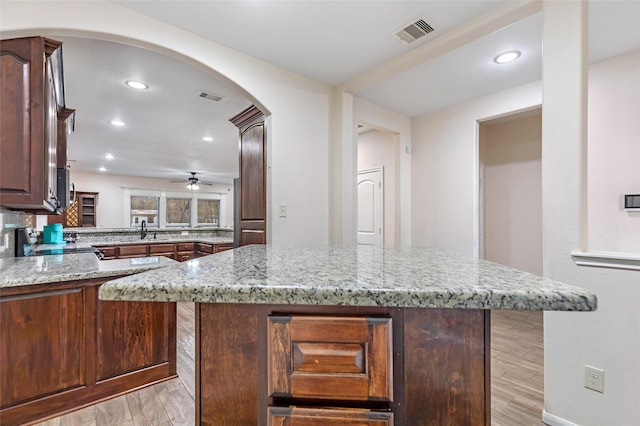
(510, 233)
(377, 187)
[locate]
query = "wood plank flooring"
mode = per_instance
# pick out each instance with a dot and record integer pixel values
(516, 374)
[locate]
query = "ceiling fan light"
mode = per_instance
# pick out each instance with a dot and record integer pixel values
(193, 186)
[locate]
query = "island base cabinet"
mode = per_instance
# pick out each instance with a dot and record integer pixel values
(438, 366)
(61, 348)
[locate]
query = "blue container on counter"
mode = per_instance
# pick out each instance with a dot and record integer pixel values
(52, 234)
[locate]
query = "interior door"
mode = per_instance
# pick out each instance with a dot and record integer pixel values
(370, 199)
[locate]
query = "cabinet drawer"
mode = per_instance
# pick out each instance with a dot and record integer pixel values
(161, 248)
(185, 247)
(204, 248)
(336, 358)
(222, 247)
(135, 250)
(108, 252)
(183, 257)
(298, 416)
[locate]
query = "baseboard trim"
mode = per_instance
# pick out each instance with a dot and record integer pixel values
(553, 420)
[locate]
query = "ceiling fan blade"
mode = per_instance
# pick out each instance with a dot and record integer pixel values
(178, 181)
(205, 183)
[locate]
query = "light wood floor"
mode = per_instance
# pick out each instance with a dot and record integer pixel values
(516, 374)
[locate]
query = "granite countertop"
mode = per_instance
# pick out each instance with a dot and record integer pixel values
(350, 276)
(21, 271)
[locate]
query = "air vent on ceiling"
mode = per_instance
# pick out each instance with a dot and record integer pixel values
(209, 96)
(413, 32)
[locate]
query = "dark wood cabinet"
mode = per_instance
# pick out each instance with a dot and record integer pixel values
(185, 251)
(162, 249)
(87, 208)
(42, 350)
(32, 95)
(177, 251)
(298, 416)
(82, 212)
(133, 250)
(252, 189)
(62, 348)
(217, 248)
(131, 336)
(293, 364)
(345, 358)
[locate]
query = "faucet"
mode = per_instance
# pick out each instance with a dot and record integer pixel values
(143, 229)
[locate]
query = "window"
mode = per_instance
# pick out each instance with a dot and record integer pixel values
(208, 212)
(178, 212)
(144, 208)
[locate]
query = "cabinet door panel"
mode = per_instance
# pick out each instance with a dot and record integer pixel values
(15, 127)
(284, 416)
(252, 173)
(347, 358)
(131, 335)
(133, 251)
(41, 344)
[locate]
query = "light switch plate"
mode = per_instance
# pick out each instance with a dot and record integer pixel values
(283, 210)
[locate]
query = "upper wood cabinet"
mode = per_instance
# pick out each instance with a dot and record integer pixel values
(253, 180)
(32, 95)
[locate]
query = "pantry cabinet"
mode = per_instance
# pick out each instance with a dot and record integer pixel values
(32, 93)
(252, 211)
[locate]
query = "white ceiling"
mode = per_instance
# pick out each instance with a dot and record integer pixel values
(335, 42)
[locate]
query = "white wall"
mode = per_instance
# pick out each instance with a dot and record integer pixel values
(510, 153)
(112, 189)
(445, 167)
(378, 149)
(298, 148)
(444, 210)
(614, 153)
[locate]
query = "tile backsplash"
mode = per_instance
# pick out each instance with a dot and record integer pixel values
(11, 220)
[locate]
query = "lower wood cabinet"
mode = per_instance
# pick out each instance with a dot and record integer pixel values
(297, 416)
(185, 251)
(177, 251)
(292, 365)
(62, 348)
(217, 248)
(329, 357)
(41, 349)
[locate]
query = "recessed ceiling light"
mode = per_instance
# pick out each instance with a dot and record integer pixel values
(207, 139)
(117, 123)
(102, 169)
(136, 84)
(108, 156)
(505, 57)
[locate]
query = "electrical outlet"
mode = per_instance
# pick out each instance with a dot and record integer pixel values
(594, 378)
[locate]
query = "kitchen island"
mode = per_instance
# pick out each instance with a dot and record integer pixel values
(338, 336)
(61, 348)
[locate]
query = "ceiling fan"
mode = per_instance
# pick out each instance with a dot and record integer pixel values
(193, 182)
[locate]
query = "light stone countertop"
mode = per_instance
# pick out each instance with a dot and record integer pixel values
(350, 276)
(30, 270)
